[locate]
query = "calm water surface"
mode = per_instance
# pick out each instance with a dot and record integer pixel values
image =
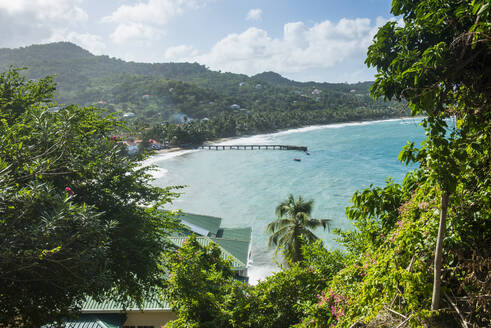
(243, 187)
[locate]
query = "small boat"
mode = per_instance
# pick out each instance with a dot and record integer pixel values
(307, 153)
(297, 159)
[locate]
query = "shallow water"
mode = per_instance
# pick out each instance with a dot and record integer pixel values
(243, 186)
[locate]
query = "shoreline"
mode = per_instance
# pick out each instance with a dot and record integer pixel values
(304, 128)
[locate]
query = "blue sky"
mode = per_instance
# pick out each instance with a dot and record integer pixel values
(302, 40)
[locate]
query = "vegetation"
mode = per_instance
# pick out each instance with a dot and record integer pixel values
(216, 104)
(72, 224)
(78, 218)
(444, 74)
(292, 228)
(202, 290)
(418, 255)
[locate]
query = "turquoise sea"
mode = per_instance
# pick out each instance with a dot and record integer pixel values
(243, 187)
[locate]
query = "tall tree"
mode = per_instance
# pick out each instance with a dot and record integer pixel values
(440, 61)
(78, 218)
(292, 228)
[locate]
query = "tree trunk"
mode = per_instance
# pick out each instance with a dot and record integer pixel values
(435, 301)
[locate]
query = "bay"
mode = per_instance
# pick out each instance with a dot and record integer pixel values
(243, 187)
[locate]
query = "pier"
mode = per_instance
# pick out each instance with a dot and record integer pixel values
(253, 147)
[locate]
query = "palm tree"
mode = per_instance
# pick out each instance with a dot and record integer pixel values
(293, 227)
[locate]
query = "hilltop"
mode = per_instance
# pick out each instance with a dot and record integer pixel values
(160, 91)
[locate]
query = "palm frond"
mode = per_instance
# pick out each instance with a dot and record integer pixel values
(273, 239)
(309, 236)
(278, 224)
(317, 223)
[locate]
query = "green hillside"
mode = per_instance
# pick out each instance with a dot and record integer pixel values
(213, 104)
(156, 91)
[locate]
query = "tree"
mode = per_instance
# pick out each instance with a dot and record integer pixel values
(200, 285)
(78, 218)
(203, 292)
(293, 227)
(439, 61)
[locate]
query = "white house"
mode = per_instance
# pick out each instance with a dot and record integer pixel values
(129, 115)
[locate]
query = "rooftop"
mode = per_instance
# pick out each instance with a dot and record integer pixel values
(211, 224)
(238, 262)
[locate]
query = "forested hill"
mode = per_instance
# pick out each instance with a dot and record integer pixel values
(159, 91)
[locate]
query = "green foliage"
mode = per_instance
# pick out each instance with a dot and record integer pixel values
(276, 301)
(201, 286)
(439, 61)
(77, 217)
(374, 212)
(204, 294)
(292, 228)
(157, 92)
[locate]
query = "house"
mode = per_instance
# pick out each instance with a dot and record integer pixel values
(316, 92)
(132, 146)
(109, 314)
(154, 144)
(179, 118)
(146, 97)
(129, 115)
(234, 243)
(241, 84)
(258, 86)
(234, 106)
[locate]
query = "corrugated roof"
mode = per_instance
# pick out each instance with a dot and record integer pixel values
(237, 263)
(92, 305)
(243, 234)
(209, 223)
(238, 248)
(101, 320)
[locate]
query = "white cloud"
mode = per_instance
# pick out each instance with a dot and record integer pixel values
(135, 32)
(254, 14)
(65, 10)
(27, 21)
(91, 42)
(301, 48)
(24, 22)
(180, 53)
(146, 20)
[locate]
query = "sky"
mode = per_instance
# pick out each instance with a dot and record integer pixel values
(309, 40)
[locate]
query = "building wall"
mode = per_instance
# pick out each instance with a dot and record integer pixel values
(157, 319)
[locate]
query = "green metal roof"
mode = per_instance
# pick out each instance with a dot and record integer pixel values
(243, 234)
(101, 320)
(209, 223)
(238, 248)
(94, 306)
(237, 263)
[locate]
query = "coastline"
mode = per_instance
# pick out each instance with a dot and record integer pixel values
(178, 151)
(261, 265)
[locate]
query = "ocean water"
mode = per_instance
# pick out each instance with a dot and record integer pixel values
(243, 187)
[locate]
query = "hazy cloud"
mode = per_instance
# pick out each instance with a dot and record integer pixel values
(146, 20)
(254, 14)
(180, 53)
(28, 21)
(91, 42)
(301, 48)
